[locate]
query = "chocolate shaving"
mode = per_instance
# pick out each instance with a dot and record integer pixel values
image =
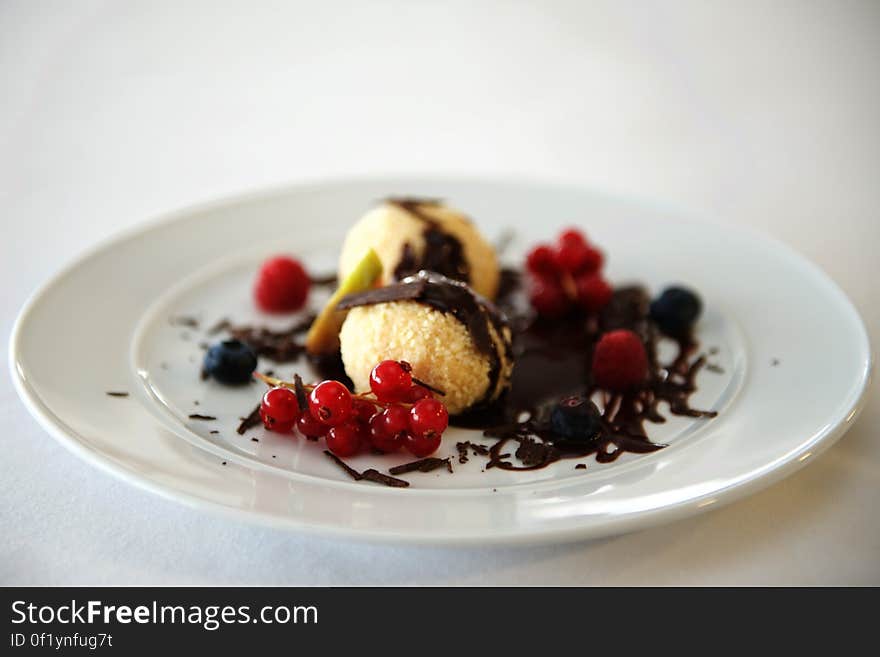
(117, 394)
(354, 474)
(199, 416)
(370, 475)
(280, 346)
(252, 420)
(300, 391)
(221, 325)
(397, 292)
(422, 465)
(183, 320)
(580, 466)
(381, 478)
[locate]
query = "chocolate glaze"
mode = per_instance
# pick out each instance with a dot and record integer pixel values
(552, 362)
(443, 253)
(454, 298)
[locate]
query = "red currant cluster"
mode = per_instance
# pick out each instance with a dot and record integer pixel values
(567, 276)
(396, 413)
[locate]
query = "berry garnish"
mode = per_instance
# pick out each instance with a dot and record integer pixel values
(676, 310)
(282, 285)
(428, 418)
(541, 261)
(416, 393)
(310, 427)
(391, 380)
(388, 429)
(619, 360)
(573, 257)
(231, 362)
(593, 292)
(422, 446)
(560, 276)
(279, 409)
(577, 419)
(572, 236)
(548, 297)
(344, 439)
(362, 410)
(330, 402)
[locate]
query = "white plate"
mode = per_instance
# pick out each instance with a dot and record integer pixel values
(795, 356)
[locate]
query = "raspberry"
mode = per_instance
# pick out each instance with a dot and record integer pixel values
(572, 236)
(548, 298)
(541, 261)
(619, 360)
(593, 292)
(282, 285)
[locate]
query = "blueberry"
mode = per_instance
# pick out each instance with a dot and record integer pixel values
(231, 362)
(676, 310)
(576, 418)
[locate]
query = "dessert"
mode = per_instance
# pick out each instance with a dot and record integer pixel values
(453, 339)
(410, 235)
(559, 365)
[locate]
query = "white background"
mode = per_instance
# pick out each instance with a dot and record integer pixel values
(758, 113)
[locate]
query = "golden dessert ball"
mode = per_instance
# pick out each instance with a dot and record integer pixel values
(436, 344)
(388, 227)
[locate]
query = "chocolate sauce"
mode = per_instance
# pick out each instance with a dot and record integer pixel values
(443, 253)
(552, 362)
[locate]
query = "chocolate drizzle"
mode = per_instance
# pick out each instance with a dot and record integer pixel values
(443, 253)
(552, 362)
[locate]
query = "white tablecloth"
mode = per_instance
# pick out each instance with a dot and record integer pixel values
(763, 114)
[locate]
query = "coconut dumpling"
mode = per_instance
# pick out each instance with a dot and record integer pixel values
(410, 235)
(454, 339)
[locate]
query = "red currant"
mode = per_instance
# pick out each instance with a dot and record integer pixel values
(330, 402)
(548, 298)
(279, 409)
(389, 428)
(422, 446)
(593, 292)
(428, 418)
(362, 410)
(416, 393)
(542, 261)
(390, 380)
(310, 427)
(282, 285)
(344, 439)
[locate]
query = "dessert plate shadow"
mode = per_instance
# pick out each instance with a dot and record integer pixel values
(790, 356)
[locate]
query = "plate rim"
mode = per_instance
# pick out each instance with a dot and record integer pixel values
(757, 480)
